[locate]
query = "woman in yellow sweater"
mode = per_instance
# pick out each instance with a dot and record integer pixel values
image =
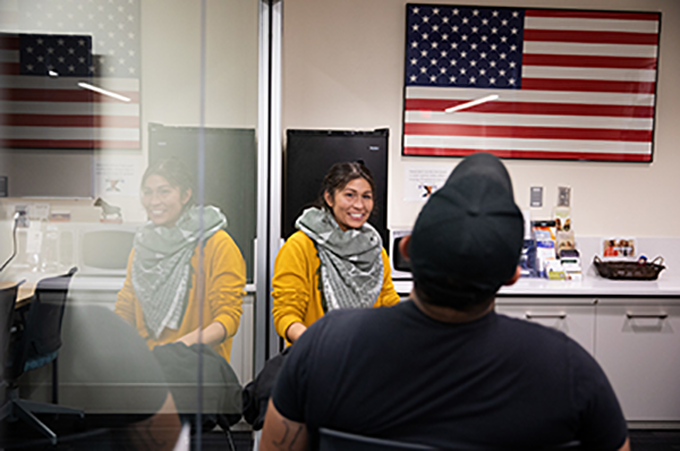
(163, 297)
(335, 260)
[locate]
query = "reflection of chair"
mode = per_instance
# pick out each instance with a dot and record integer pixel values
(330, 440)
(8, 298)
(37, 345)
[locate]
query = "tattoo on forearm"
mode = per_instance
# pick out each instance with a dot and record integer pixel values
(297, 435)
(283, 444)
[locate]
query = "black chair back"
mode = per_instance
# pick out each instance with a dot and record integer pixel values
(39, 339)
(41, 334)
(8, 299)
(330, 440)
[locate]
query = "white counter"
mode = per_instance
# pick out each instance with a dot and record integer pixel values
(667, 285)
(110, 284)
(589, 286)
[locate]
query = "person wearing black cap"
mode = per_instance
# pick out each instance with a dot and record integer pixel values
(443, 369)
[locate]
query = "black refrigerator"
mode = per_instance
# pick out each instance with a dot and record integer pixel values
(309, 155)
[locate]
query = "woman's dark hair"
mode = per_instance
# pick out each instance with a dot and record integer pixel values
(339, 175)
(175, 172)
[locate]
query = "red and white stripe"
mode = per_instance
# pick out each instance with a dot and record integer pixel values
(46, 112)
(588, 92)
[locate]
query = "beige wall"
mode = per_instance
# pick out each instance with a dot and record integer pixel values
(343, 69)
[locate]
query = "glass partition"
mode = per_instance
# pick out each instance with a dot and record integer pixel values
(129, 150)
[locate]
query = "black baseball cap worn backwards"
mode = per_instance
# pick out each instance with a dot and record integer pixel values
(468, 237)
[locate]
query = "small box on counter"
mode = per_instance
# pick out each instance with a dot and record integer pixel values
(618, 248)
(527, 259)
(571, 263)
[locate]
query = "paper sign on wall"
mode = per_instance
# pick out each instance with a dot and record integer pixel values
(117, 176)
(421, 181)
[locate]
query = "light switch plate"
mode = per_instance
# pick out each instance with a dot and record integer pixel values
(536, 197)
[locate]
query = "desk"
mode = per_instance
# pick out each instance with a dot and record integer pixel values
(25, 292)
(31, 280)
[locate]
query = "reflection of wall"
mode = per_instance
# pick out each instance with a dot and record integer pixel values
(31, 172)
(344, 69)
(170, 75)
(171, 62)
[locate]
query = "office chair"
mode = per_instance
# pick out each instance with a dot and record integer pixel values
(330, 440)
(8, 299)
(37, 345)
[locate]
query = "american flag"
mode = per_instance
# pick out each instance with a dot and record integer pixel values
(570, 84)
(41, 103)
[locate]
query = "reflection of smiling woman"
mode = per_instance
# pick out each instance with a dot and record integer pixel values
(160, 296)
(335, 260)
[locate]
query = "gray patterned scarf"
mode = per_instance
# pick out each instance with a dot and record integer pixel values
(161, 267)
(351, 262)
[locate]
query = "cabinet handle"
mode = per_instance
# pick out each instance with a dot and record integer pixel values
(647, 316)
(528, 315)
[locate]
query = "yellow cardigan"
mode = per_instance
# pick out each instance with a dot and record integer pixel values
(224, 279)
(296, 284)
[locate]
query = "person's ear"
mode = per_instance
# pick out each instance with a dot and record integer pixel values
(186, 196)
(328, 198)
(515, 277)
(403, 246)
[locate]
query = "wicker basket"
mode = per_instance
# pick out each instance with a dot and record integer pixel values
(626, 270)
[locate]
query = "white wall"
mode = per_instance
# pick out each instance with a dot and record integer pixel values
(343, 69)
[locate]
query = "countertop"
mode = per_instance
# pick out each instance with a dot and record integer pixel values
(667, 285)
(588, 286)
(101, 283)
(591, 285)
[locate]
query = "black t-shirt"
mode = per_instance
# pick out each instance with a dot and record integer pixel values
(496, 382)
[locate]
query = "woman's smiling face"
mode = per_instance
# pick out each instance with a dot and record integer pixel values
(162, 201)
(352, 204)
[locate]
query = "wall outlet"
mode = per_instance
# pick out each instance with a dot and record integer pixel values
(22, 220)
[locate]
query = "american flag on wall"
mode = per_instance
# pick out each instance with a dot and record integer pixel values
(63, 43)
(570, 84)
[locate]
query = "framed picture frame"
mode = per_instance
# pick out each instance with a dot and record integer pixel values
(550, 84)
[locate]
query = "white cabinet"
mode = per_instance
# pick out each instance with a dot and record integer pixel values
(637, 343)
(577, 321)
(242, 344)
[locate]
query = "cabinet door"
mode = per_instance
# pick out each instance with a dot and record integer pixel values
(638, 346)
(576, 321)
